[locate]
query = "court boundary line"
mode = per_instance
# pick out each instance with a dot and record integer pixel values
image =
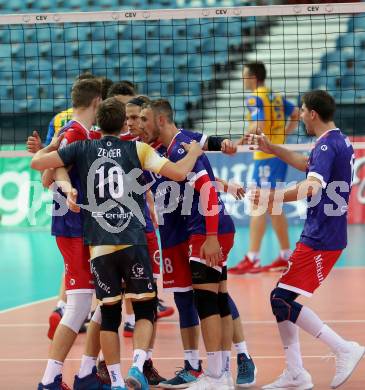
(25, 305)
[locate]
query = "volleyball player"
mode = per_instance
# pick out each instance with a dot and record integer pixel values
(329, 171)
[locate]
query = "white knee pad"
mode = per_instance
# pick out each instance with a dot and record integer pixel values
(97, 315)
(77, 309)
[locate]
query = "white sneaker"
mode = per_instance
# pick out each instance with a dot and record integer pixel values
(206, 382)
(299, 380)
(346, 362)
(229, 380)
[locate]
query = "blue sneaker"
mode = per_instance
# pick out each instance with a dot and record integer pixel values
(246, 371)
(183, 377)
(90, 382)
(136, 379)
(57, 384)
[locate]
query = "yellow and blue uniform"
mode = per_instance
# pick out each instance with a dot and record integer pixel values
(270, 111)
(57, 122)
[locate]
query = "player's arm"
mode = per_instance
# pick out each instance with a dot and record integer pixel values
(178, 171)
(48, 157)
(63, 181)
(261, 142)
(235, 189)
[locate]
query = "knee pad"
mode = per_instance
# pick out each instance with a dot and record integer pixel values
(111, 317)
(233, 308)
(185, 304)
(206, 303)
(284, 306)
(223, 304)
(145, 310)
(77, 309)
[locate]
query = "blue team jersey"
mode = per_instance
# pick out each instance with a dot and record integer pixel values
(195, 220)
(331, 161)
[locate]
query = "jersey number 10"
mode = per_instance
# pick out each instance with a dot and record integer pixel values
(114, 179)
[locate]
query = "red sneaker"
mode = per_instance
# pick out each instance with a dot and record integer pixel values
(278, 265)
(128, 330)
(245, 266)
(164, 311)
(54, 320)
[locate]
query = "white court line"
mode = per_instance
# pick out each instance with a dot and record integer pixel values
(18, 360)
(162, 322)
(27, 305)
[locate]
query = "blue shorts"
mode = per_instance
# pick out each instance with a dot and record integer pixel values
(269, 170)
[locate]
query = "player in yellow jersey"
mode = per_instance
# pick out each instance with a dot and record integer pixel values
(275, 117)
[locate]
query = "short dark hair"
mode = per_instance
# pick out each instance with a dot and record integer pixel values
(161, 106)
(85, 76)
(84, 92)
(139, 101)
(105, 86)
(111, 116)
(257, 69)
(121, 88)
(321, 102)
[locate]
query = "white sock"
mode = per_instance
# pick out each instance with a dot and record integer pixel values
(214, 364)
(192, 356)
(87, 365)
(253, 256)
(115, 375)
(54, 368)
(130, 318)
(139, 357)
(332, 339)
(285, 253)
(101, 355)
(289, 334)
(61, 305)
(149, 354)
(226, 361)
(242, 348)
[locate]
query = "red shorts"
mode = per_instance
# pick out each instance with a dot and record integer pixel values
(154, 252)
(76, 256)
(176, 269)
(196, 241)
(308, 268)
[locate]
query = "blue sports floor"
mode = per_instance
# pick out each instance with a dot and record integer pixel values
(31, 265)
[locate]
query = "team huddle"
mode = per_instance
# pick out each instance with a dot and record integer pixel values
(122, 167)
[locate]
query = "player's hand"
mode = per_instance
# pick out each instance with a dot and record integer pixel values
(236, 190)
(55, 143)
(34, 142)
(258, 142)
(193, 148)
(211, 251)
(71, 201)
(228, 146)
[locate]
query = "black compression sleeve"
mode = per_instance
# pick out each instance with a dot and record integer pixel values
(214, 143)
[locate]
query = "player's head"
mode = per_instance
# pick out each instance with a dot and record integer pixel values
(254, 74)
(155, 116)
(111, 116)
(133, 109)
(317, 107)
(86, 93)
(123, 90)
(105, 86)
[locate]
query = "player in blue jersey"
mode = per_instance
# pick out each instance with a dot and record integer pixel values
(329, 170)
(181, 234)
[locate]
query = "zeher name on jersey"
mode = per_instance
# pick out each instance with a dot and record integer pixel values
(332, 162)
(69, 224)
(196, 222)
(113, 199)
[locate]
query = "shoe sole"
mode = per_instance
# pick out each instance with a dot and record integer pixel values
(290, 388)
(246, 385)
(166, 313)
(133, 383)
(183, 386)
(353, 369)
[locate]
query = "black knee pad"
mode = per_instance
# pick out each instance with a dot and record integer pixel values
(145, 310)
(233, 308)
(284, 306)
(111, 317)
(206, 303)
(223, 302)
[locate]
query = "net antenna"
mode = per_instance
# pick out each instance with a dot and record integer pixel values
(193, 57)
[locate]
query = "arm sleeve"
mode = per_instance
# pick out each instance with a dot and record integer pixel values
(321, 163)
(215, 143)
(288, 108)
(149, 159)
(69, 153)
